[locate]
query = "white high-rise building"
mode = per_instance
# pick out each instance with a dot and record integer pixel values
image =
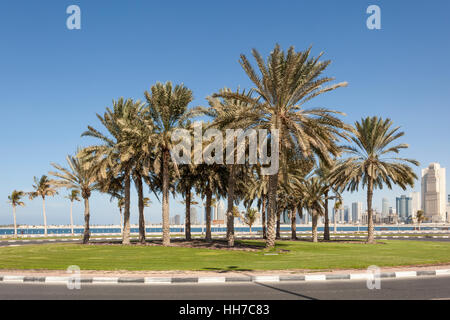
(357, 211)
(221, 211)
(385, 207)
(194, 217)
(434, 193)
(415, 203)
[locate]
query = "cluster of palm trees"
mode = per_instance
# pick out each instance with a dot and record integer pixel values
(320, 156)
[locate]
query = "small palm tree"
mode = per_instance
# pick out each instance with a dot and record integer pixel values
(15, 199)
(74, 195)
(188, 178)
(147, 202)
(372, 164)
(256, 188)
(420, 216)
(42, 188)
(324, 171)
(312, 192)
(249, 217)
(212, 181)
(79, 177)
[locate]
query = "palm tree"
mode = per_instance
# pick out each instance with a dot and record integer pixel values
(229, 113)
(167, 108)
(147, 202)
(372, 164)
(337, 206)
(15, 199)
(312, 192)
(256, 188)
(42, 188)
(324, 171)
(139, 133)
(211, 182)
(286, 82)
(115, 189)
(420, 216)
(250, 216)
(115, 156)
(74, 195)
(79, 177)
(188, 178)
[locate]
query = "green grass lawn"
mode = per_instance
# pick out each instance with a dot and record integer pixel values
(80, 237)
(301, 255)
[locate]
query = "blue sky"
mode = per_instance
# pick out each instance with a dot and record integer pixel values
(53, 80)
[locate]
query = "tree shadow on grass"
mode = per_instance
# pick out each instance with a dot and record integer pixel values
(228, 269)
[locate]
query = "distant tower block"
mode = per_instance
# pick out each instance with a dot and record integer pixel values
(434, 193)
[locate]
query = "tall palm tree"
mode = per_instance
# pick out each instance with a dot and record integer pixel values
(114, 156)
(372, 162)
(139, 135)
(229, 113)
(284, 84)
(79, 177)
(167, 108)
(15, 199)
(42, 188)
(74, 195)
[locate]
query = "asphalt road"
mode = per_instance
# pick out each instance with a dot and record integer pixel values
(404, 289)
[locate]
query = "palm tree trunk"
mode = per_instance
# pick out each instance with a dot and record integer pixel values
(15, 225)
(230, 205)
(263, 216)
(315, 217)
(87, 231)
(165, 208)
(45, 216)
(278, 234)
(326, 231)
(126, 214)
(140, 192)
(272, 213)
(121, 220)
(370, 231)
(293, 225)
(71, 217)
(187, 229)
(208, 214)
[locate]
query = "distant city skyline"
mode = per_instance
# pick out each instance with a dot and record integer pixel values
(55, 80)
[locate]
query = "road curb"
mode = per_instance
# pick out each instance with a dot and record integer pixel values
(216, 280)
